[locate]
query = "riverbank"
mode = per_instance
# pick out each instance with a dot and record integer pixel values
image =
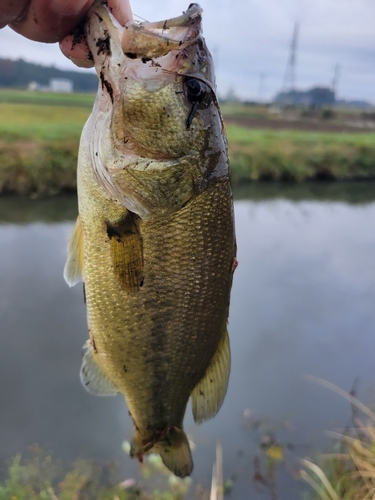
(48, 165)
(39, 140)
(298, 156)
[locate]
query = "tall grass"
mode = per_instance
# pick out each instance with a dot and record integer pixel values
(39, 147)
(348, 474)
(37, 166)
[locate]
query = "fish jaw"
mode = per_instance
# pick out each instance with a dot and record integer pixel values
(149, 150)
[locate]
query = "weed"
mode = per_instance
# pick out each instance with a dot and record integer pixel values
(350, 473)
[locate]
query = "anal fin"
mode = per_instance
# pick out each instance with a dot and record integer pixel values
(127, 252)
(73, 270)
(208, 395)
(92, 377)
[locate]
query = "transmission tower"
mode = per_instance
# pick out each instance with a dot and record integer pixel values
(289, 81)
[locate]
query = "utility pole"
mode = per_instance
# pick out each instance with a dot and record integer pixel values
(262, 79)
(335, 79)
(289, 81)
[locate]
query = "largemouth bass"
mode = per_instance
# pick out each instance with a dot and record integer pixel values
(154, 240)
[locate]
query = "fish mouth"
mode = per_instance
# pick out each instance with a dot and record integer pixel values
(150, 40)
(153, 53)
(157, 52)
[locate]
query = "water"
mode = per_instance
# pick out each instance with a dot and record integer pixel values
(302, 303)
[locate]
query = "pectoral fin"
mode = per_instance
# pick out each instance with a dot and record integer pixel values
(73, 270)
(92, 377)
(127, 252)
(208, 395)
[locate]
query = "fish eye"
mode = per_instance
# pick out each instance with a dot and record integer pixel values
(195, 90)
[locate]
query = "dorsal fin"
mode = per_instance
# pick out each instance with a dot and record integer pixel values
(73, 270)
(209, 393)
(127, 252)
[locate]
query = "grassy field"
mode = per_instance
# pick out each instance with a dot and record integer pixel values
(39, 137)
(46, 98)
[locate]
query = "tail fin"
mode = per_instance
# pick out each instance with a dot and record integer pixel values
(173, 447)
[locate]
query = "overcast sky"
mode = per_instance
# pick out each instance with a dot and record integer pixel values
(250, 38)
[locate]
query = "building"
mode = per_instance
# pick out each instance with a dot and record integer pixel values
(61, 85)
(314, 97)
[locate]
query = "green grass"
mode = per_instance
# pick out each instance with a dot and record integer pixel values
(39, 138)
(296, 156)
(46, 98)
(36, 122)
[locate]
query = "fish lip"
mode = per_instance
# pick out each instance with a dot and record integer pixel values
(184, 20)
(150, 40)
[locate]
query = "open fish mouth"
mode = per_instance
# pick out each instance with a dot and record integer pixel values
(153, 52)
(149, 40)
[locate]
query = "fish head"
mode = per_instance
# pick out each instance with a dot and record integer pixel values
(156, 130)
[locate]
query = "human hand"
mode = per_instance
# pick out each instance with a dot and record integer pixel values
(55, 20)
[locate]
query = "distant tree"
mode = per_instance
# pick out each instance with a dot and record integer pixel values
(18, 74)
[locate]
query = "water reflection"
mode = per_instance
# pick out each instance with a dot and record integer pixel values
(43, 329)
(302, 303)
(349, 192)
(23, 210)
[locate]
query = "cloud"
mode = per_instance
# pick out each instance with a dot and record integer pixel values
(13, 46)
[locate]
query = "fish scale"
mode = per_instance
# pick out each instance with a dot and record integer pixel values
(201, 265)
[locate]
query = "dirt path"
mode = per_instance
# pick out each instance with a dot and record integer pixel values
(307, 125)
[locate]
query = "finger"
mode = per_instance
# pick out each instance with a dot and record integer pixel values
(11, 10)
(75, 48)
(121, 10)
(50, 20)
